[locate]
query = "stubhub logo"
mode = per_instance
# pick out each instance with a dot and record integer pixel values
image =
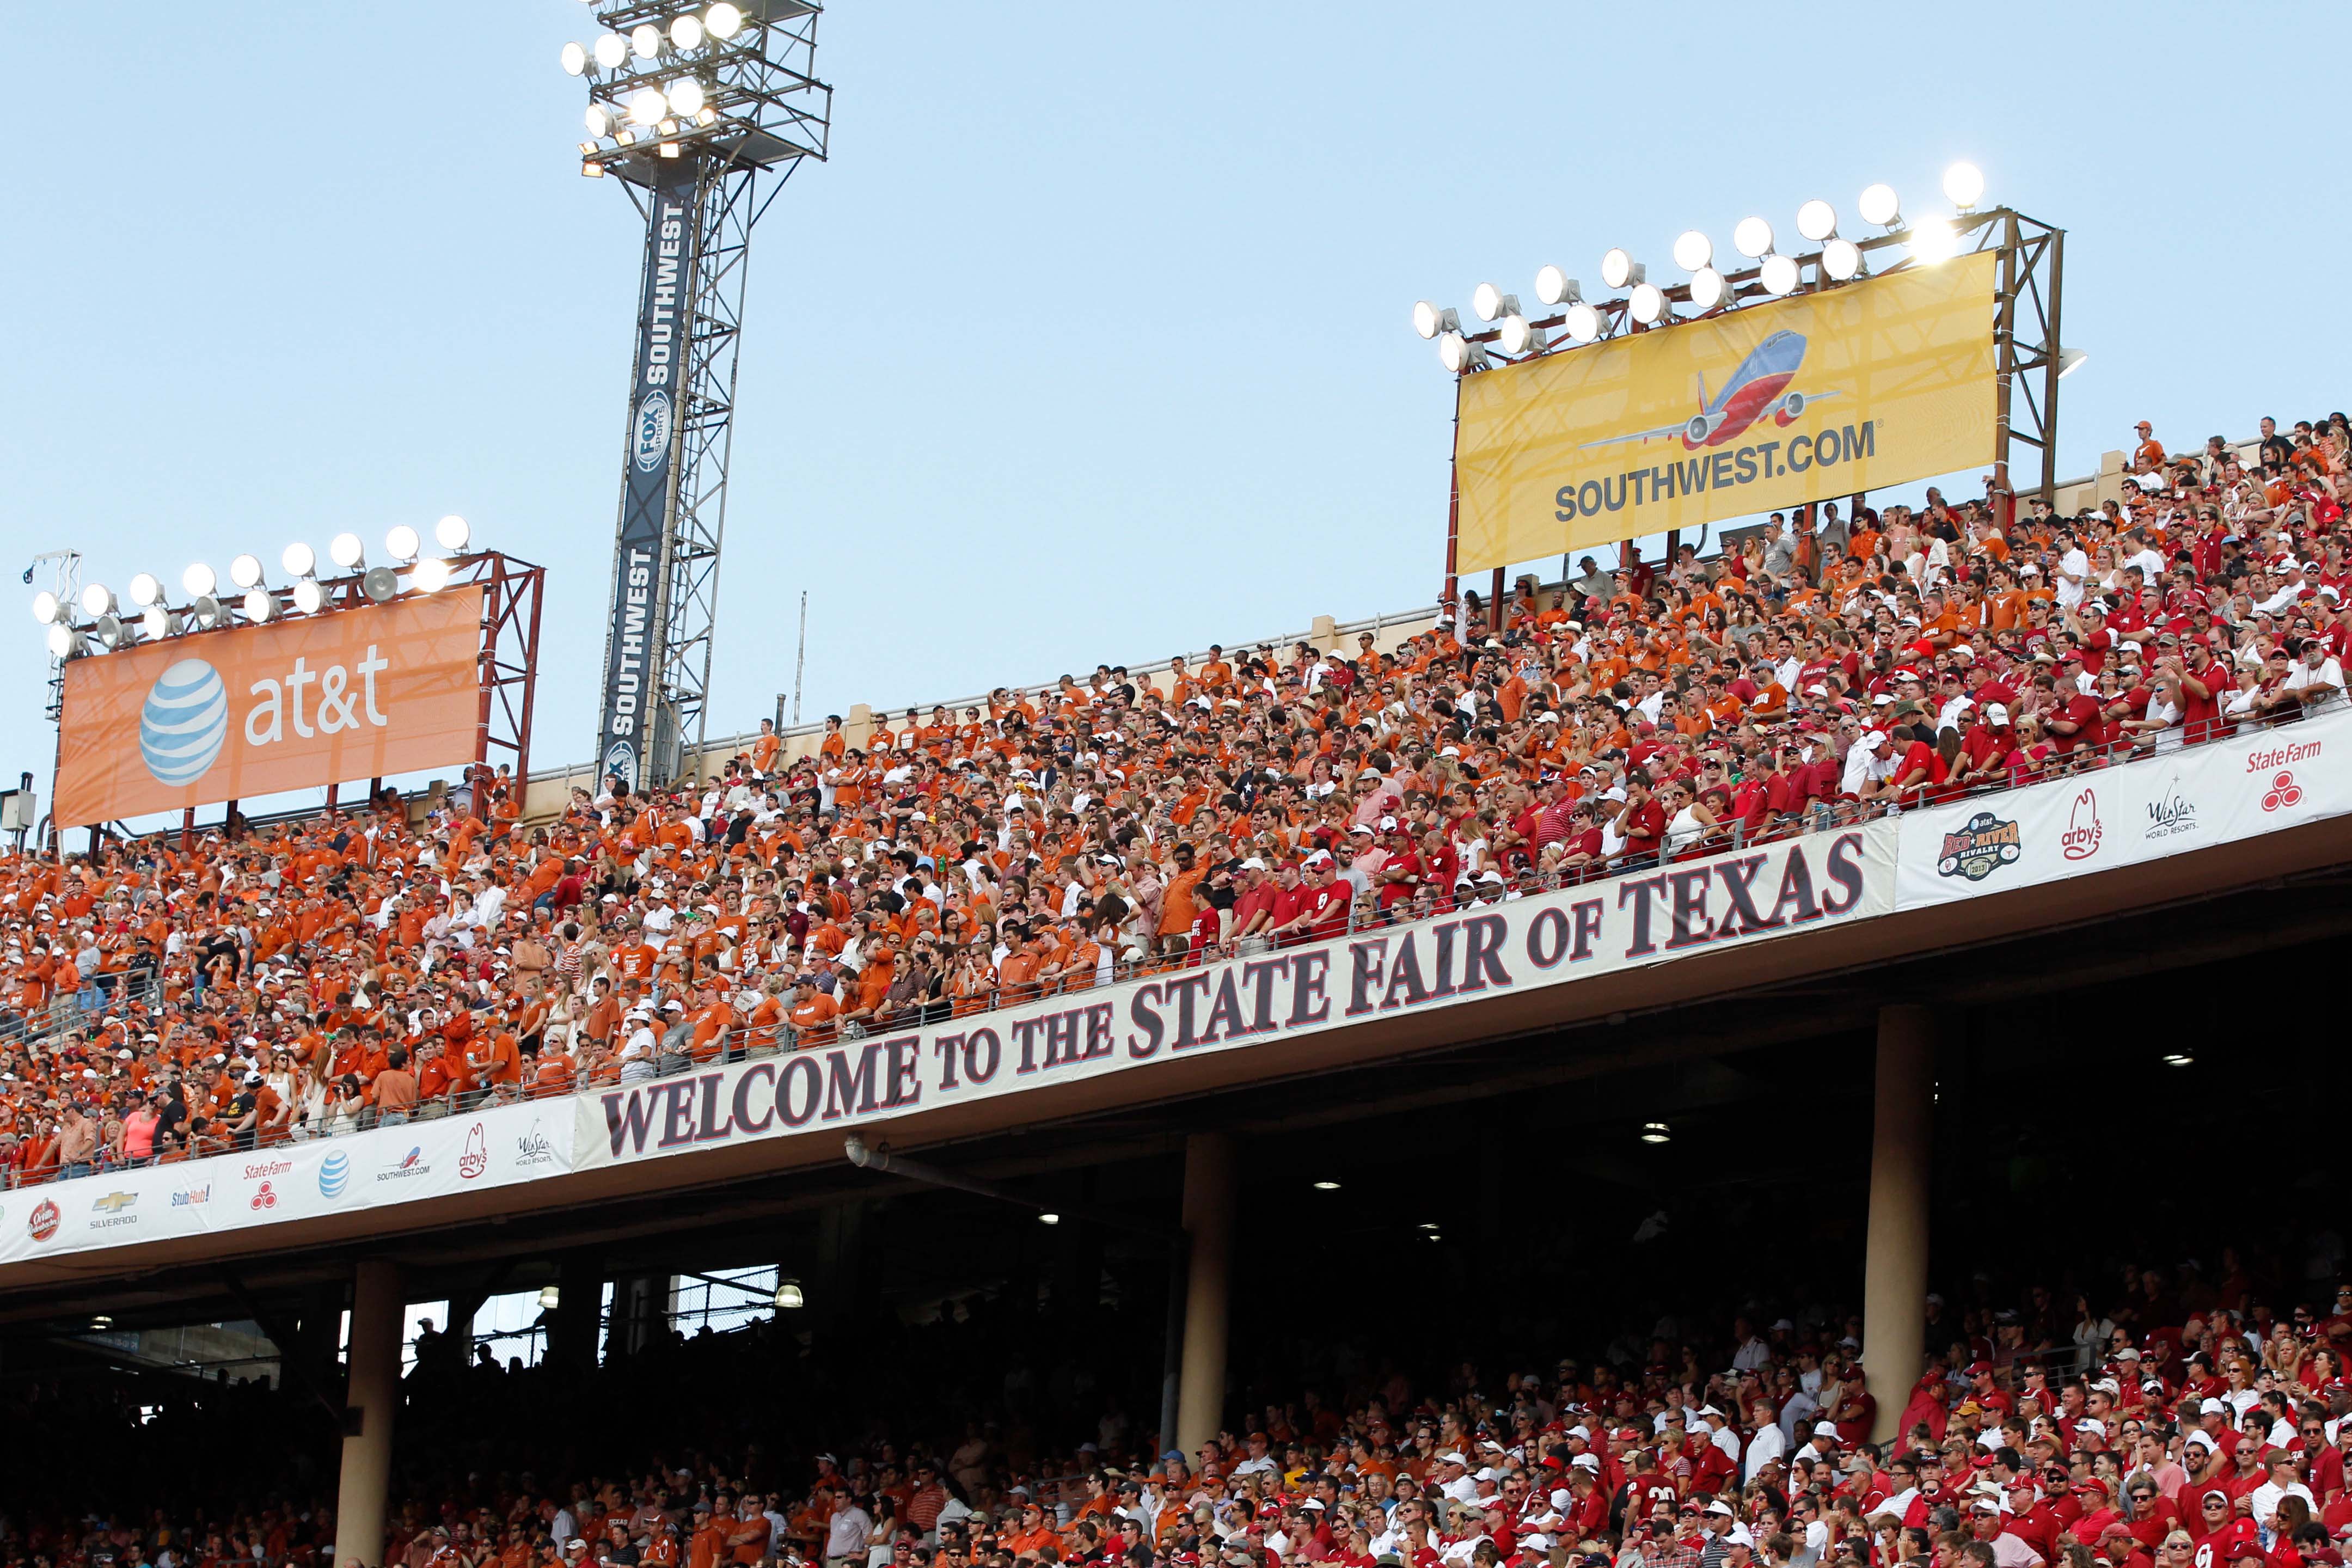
(334, 1175)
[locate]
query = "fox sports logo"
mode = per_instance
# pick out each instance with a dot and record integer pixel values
(183, 723)
(653, 431)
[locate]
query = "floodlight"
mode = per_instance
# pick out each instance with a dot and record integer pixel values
(107, 632)
(705, 115)
(64, 641)
(452, 532)
(686, 96)
(1583, 323)
(2070, 361)
(1878, 205)
(600, 119)
(722, 21)
(197, 581)
(1453, 352)
(1779, 275)
(1554, 286)
(1519, 336)
(1692, 250)
(246, 570)
(612, 50)
(1425, 318)
(145, 590)
(430, 575)
(591, 170)
(299, 560)
(646, 106)
(261, 604)
(346, 550)
(208, 612)
(1841, 258)
(685, 32)
(1817, 220)
(1618, 269)
(156, 623)
(1752, 239)
(644, 41)
(46, 607)
(379, 584)
(1964, 185)
(96, 599)
(575, 59)
(1932, 240)
(401, 541)
(1646, 303)
(308, 597)
(1487, 300)
(1707, 289)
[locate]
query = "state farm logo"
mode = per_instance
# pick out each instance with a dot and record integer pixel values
(1979, 849)
(2084, 829)
(2284, 792)
(477, 1156)
(2171, 814)
(267, 1168)
(266, 1198)
(42, 1221)
(533, 1149)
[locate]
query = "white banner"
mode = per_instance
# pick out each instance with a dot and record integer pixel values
(2171, 803)
(1255, 1003)
(290, 1182)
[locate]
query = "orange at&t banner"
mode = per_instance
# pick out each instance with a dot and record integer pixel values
(253, 711)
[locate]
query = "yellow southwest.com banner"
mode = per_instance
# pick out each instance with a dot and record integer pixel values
(1874, 383)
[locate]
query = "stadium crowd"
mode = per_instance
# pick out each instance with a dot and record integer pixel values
(166, 998)
(2176, 1424)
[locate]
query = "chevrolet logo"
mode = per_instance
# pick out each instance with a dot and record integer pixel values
(115, 1202)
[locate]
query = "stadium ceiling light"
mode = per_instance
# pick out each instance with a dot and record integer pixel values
(401, 541)
(576, 59)
(1327, 1186)
(1519, 336)
(1555, 287)
(1707, 289)
(1964, 185)
(2070, 361)
(308, 597)
(157, 623)
(611, 51)
(96, 599)
(1583, 323)
(1487, 300)
(1817, 220)
(1049, 1217)
(1752, 239)
(1619, 269)
(645, 41)
(1429, 1226)
(1647, 303)
(346, 550)
(299, 560)
(722, 21)
(46, 607)
(246, 570)
(261, 604)
(1656, 1132)
(1932, 240)
(685, 97)
(1878, 205)
(686, 33)
(429, 575)
(198, 581)
(1779, 275)
(550, 1298)
(1692, 250)
(2180, 1058)
(145, 590)
(453, 532)
(1841, 258)
(789, 1296)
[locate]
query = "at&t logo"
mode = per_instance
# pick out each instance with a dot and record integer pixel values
(183, 723)
(334, 1173)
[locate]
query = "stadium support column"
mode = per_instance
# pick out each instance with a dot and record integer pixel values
(378, 1308)
(1894, 1266)
(1209, 1179)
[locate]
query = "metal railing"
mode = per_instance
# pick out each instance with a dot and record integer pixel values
(1362, 912)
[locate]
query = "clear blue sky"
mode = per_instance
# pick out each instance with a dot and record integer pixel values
(1091, 339)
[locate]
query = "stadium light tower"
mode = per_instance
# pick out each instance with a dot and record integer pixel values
(701, 113)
